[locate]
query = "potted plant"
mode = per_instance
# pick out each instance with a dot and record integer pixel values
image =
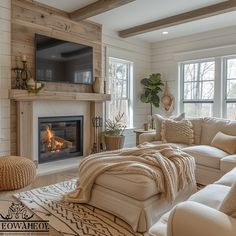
(152, 88)
(113, 134)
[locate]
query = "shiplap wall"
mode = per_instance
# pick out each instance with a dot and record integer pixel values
(165, 55)
(139, 53)
(30, 18)
(5, 75)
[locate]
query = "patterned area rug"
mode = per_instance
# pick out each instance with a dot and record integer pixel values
(72, 218)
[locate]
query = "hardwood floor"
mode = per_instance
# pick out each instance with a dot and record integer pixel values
(39, 182)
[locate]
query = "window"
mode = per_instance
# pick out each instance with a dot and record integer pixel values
(230, 88)
(198, 82)
(120, 78)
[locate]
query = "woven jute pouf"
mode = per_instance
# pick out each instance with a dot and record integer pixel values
(16, 172)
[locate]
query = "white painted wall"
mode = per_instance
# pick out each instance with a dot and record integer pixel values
(139, 53)
(5, 76)
(148, 58)
(166, 55)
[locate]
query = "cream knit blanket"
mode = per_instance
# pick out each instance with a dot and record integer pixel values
(168, 166)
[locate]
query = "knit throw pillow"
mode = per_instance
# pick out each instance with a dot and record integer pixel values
(159, 119)
(177, 132)
(228, 206)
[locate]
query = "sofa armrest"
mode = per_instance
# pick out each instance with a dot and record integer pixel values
(227, 179)
(195, 219)
(228, 163)
(147, 137)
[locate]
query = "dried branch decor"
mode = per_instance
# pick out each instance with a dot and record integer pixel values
(115, 127)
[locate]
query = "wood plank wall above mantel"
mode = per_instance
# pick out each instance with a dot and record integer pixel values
(29, 18)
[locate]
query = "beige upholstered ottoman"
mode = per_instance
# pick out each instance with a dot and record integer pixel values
(133, 198)
(16, 172)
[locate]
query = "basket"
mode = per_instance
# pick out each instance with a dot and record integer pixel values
(114, 142)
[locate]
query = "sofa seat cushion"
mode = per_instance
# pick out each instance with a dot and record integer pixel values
(206, 155)
(137, 186)
(179, 145)
(212, 195)
(228, 163)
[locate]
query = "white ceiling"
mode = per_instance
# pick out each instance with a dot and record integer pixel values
(66, 5)
(144, 11)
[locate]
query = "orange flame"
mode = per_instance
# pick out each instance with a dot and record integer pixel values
(58, 144)
(54, 145)
(50, 134)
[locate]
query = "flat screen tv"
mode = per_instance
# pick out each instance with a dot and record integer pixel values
(62, 61)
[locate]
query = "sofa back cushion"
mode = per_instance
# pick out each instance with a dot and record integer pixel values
(177, 131)
(211, 126)
(158, 122)
(228, 206)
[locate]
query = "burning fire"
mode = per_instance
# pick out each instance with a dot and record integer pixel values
(53, 144)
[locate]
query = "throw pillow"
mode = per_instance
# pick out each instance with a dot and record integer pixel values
(159, 119)
(228, 206)
(177, 132)
(225, 142)
(197, 129)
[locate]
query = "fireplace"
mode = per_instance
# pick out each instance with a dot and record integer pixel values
(60, 138)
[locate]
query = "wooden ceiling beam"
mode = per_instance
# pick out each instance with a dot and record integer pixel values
(96, 8)
(204, 12)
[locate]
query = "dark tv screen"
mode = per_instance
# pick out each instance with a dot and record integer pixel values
(62, 61)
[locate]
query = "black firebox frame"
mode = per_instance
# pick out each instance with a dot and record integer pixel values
(79, 133)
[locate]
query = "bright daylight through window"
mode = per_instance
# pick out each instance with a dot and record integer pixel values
(120, 80)
(200, 88)
(230, 96)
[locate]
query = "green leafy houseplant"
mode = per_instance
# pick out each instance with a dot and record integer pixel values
(113, 134)
(152, 87)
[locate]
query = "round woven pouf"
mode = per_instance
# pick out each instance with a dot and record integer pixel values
(16, 172)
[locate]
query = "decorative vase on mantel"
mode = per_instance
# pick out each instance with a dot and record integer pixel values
(98, 85)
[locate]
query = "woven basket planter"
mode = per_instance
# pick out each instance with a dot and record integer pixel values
(114, 142)
(16, 172)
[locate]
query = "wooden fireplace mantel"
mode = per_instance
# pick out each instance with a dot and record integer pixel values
(23, 95)
(89, 105)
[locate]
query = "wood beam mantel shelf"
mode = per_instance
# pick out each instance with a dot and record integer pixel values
(23, 95)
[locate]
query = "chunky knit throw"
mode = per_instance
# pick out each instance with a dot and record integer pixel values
(168, 166)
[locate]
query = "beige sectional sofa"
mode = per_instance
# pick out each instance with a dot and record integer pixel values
(211, 162)
(199, 215)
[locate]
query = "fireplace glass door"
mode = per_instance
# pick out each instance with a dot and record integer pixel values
(60, 138)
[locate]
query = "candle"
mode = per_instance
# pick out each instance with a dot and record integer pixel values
(38, 85)
(24, 58)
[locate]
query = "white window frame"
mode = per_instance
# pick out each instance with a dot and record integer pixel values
(181, 85)
(220, 87)
(224, 92)
(129, 88)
